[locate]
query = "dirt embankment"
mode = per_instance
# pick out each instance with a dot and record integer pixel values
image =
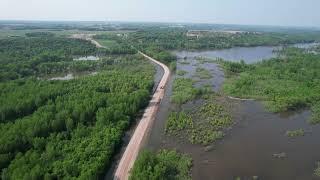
(138, 138)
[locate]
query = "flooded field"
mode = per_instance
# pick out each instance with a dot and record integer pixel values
(257, 146)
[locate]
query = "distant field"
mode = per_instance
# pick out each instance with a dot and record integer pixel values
(107, 43)
(7, 33)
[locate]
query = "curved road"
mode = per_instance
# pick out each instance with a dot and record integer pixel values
(138, 138)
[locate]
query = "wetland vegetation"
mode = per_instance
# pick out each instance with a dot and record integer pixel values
(295, 133)
(178, 121)
(317, 170)
(288, 82)
(315, 118)
(203, 73)
(203, 125)
(181, 72)
(183, 91)
(295, 66)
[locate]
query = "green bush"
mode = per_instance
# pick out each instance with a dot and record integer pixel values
(165, 164)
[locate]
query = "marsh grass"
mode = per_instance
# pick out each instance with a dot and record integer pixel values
(285, 83)
(204, 136)
(317, 170)
(183, 91)
(204, 125)
(178, 121)
(295, 133)
(184, 62)
(181, 72)
(203, 60)
(315, 118)
(203, 73)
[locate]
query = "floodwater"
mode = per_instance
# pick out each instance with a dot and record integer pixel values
(217, 74)
(248, 148)
(248, 54)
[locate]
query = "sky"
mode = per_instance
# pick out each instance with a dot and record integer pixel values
(249, 12)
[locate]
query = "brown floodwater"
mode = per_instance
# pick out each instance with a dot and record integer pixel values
(248, 148)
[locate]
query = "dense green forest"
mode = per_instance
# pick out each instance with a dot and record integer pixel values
(24, 57)
(65, 129)
(164, 164)
(178, 38)
(288, 82)
(73, 133)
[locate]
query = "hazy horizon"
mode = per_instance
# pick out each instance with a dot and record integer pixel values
(245, 12)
